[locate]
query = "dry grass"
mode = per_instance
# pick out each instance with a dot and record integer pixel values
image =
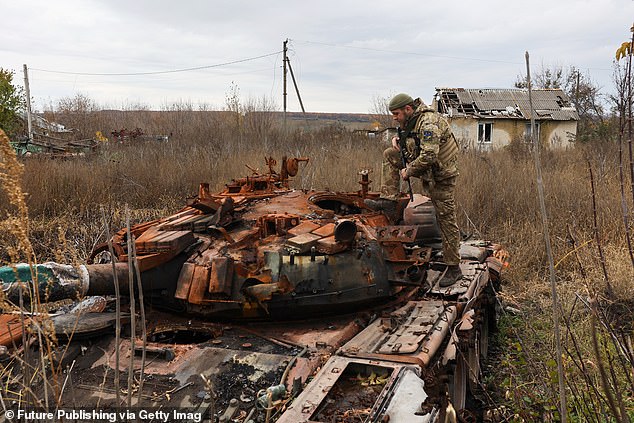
(499, 200)
(496, 197)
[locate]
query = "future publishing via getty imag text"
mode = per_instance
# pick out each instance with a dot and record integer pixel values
(111, 416)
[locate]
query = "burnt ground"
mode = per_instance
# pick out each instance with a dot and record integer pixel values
(90, 385)
(233, 382)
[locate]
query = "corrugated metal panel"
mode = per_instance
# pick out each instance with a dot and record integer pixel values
(552, 104)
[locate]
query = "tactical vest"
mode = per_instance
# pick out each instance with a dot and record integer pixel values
(448, 148)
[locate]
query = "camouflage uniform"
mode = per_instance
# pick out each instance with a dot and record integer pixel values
(433, 160)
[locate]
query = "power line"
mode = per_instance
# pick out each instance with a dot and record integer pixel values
(409, 53)
(160, 72)
(423, 54)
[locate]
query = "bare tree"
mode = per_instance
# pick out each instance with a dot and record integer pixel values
(76, 113)
(259, 116)
(544, 78)
(380, 112)
(232, 103)
(585, 96)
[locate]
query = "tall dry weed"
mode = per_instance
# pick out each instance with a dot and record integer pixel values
(37, 328)
(16, 219)
(498, 195)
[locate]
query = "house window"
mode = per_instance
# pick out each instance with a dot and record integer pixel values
(527, 131)
(484, 132)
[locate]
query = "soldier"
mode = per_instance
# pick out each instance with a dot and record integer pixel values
(431, 156)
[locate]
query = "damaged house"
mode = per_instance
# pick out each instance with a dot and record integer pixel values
(488, 119)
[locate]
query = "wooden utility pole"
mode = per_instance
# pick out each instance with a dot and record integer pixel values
(28, 103)
(287, 67)
(285, 61)
(563, 407)
(299, 97)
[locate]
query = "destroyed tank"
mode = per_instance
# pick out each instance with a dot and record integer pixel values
(267, 303)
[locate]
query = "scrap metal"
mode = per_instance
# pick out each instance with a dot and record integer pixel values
(261, 286)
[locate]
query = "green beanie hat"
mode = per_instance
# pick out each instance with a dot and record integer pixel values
(400, 100)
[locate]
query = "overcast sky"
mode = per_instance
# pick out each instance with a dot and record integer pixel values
(344, 54)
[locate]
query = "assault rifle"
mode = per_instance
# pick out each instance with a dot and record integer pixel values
(402, 144)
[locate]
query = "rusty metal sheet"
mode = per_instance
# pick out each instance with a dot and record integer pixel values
(401, 384)
(326, 335)
(277, 224)
(150, 261)
(201, 224)
(170, 242)
(378, 219)
(304, 227)
(421, 254)
(181, 215)
(326, 230)
(414, 337)
(221, 276)
(292, 203)
(244, 236)
(330, 245)
(497, 262)
(11, 329)
(175, 224)
(176, 241)
(205, 202)
(396, 233)
(407, 336)
(152, 243)
(394, 251)
(149, 234)
(302, 243)
(184, 281)
(189, 223)
(200, 281)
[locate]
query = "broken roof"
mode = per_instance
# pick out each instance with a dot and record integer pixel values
(40, 123)
(549, 104)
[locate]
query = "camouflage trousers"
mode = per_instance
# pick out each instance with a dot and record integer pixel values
(441, 193)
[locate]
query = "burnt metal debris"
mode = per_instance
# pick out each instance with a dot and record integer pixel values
(267, 303)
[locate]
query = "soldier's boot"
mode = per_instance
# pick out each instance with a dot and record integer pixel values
(452, 275)
(388, 207)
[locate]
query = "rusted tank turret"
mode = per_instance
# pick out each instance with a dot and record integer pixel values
(261, 251)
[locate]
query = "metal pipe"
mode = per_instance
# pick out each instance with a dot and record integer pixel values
(101, 281)
(59, 281)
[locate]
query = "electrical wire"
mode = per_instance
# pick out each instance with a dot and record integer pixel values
(423, 54)
(159, 72)
(408, 52)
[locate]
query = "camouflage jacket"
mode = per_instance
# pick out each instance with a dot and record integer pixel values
(432, 148)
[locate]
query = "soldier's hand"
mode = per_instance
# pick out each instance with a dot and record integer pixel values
(404, 174)
(395, 143)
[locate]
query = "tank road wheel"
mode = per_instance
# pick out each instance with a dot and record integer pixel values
(466, 416)
(478, 352)
(473, 362)
(458, 383)
(485, 331)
